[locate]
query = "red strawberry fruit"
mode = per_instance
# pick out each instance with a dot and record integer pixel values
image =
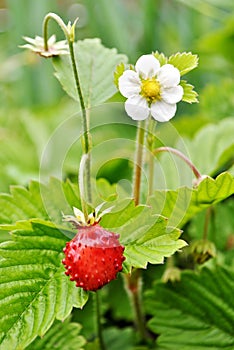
(93, 257)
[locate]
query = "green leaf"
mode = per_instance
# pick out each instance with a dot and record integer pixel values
(195, 313)
(189, 95)
(43, 201)
(185, 61)
(146, 237)
(33, 287)
(161, 57)
(96, 65)
(181, 205)
(106, 190)
(61, 336)
(116, 339)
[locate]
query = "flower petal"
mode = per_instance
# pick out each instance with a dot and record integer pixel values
(168, 76)
(129, 83)
(162, 111)
(51, 40)
(147, 66)
(137, 108)
(173, 94)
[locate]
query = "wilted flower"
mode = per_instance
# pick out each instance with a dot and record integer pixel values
(37, 45)
(151, 89)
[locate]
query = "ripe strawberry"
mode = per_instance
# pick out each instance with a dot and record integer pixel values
(93, 257)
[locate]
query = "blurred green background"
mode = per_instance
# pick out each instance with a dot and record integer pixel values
(32, 103)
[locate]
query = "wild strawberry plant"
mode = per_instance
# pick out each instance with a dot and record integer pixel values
(73, 240)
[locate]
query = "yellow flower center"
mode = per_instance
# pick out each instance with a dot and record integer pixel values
(150, 89)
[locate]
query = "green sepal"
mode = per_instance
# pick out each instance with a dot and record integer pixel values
(160, 57)
(184, 62)
(189, 95)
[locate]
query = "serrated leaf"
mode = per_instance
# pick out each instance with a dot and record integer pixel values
(43, 201)
(189, 95)
(146, 237)
(184, 61)
(96, 65)
(61, 336)
(181, 205)
(161, 57)
(195, 313)
(116, 339)
(106, 190)
(34, 290)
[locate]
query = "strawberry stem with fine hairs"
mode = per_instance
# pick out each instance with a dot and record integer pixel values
(86, 144)
(138, 162)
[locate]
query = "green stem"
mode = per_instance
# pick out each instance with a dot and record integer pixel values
(150, 143)
(182, 156)
(60, 22)
(86, 136)
(133, 285)
(99, 324)
(138, 162)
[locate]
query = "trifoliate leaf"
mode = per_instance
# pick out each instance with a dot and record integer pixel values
(96, 65)
(118, 72)
(61, 336)
(189, 95)
(181, 205)
(161, 57)
(34, 290)
(184, 61)
(195, 313)
(146, 237)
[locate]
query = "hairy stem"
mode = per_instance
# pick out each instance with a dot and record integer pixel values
(138, 162)
(133, 285)
(86, 143)
(182, 156)
(60, 22)
(86, 136)
(150, 143)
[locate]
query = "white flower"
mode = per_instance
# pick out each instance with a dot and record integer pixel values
(151, 89)
(54, 48)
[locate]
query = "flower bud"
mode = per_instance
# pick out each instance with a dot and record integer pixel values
(202, 250)
(171, 274)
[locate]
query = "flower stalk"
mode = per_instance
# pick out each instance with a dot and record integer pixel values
(138, 162)
(150, 144)
(69, 32)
